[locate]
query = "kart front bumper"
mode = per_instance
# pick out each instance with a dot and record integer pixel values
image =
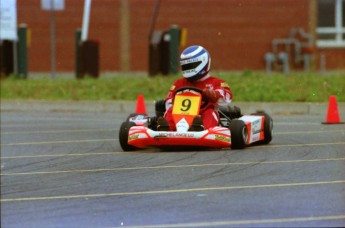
(143, 137)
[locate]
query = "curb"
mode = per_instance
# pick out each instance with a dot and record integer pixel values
(277, 108)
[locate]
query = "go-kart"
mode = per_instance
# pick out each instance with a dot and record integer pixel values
(235, 130)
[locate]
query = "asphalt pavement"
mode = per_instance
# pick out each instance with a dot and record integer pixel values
(62, 166)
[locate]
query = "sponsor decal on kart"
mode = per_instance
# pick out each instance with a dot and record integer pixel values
(224, 84)
(221, 138)
(176, 134)
(255, 137)
(133, 137)
(256, 126)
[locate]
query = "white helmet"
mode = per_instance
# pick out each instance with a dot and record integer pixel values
(195, 62)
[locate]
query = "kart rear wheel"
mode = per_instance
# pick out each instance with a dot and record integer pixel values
(268, 127)
(239, 134)
(123, 136)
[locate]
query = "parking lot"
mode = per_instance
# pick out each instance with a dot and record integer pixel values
(66, 169)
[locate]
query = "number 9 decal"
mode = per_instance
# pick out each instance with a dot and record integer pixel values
(186, 104)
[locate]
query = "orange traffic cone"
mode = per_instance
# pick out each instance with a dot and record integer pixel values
(332, 113)
(140, 108)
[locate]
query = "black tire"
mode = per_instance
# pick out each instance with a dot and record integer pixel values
(229, 111)
(123, 136)
(160, 108)
(239, 134)
(268, 127)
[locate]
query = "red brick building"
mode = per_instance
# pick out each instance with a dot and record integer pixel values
(237, 33)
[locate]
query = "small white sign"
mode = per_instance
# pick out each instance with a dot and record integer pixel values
(86, 20)
(53, 4)
(8, 20)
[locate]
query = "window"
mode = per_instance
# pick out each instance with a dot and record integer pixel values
(331, 23)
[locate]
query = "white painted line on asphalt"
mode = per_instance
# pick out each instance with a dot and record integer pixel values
(241, 222)
(174, 166)
(171, 191)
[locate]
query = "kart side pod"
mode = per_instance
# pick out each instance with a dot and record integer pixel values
(258, 129)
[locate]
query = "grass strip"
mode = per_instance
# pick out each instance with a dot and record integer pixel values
(246, 86)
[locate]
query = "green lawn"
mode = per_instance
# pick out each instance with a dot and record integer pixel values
(246, 86)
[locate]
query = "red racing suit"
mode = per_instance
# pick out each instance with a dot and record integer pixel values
(209, 115)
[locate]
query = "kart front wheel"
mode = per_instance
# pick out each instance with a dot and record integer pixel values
(123, 136)
(239, 134)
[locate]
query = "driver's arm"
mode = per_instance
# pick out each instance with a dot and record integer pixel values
(170, 97)
(221, 95)
(225, 94)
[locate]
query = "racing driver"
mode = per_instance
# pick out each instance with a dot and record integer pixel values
(195, 63)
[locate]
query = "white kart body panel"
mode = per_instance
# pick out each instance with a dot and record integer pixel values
(255, 125)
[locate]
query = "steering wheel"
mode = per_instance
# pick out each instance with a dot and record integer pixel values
(203, 98)
(188, 88)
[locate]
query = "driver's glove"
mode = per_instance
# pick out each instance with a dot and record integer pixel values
(210, 95)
